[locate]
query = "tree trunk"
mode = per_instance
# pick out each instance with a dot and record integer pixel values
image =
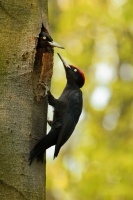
(22, 116)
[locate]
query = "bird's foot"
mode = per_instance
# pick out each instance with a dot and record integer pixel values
(35, 138)
(43, 86)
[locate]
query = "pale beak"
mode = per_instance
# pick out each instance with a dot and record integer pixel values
(64, 62)
(54, 44)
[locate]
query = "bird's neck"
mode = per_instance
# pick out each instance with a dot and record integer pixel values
(71, 86)
(68, 90)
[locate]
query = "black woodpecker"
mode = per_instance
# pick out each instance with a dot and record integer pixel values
(67, 110)
(44, 39)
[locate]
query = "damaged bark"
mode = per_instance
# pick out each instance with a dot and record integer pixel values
(43, 67)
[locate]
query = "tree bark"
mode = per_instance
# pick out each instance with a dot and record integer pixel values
(22, 117)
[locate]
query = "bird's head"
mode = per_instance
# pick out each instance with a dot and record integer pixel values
(73, 74)
(47, 38)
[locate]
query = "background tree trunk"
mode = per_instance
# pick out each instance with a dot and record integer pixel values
(21, 116)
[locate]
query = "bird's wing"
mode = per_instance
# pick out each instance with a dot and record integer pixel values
(70, 119)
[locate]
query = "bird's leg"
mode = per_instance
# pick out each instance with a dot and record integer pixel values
(50, 122)
(51, 100)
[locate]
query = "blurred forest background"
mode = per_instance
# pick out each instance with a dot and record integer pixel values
(97, 162)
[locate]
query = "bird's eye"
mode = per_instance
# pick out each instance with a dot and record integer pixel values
(44, 37)
(75, 70)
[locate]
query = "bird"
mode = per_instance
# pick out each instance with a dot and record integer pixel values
(46, 40)
(67, 110)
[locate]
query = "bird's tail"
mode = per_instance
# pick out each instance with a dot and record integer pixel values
(39, 149)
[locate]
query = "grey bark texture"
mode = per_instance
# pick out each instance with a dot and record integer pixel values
(21, 117)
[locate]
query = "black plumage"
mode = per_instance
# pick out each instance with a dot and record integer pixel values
(67, 110)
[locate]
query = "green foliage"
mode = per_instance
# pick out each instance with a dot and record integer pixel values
(97, 161)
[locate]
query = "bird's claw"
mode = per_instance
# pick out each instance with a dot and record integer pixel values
(35, 138)
(44, 86)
